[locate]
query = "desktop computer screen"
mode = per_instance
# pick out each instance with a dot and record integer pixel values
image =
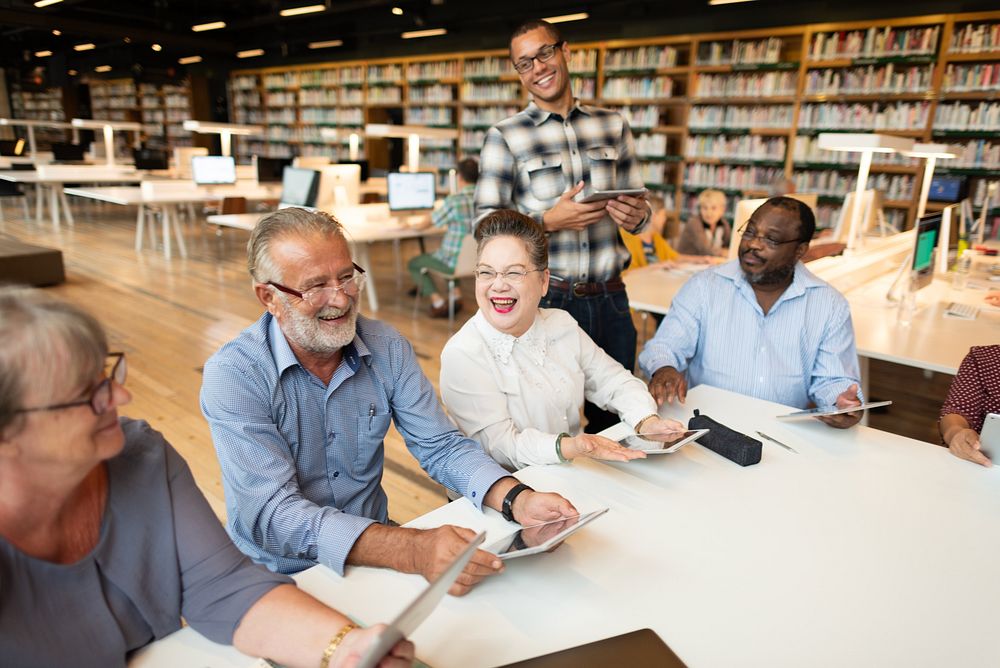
(409, 191)
(363, 164)
(925, 248)
(63, 152)
(270, 170)
(150, 158)
(209, 170)
(299, 187)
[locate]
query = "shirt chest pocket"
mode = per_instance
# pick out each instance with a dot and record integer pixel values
(371, 433)
(603, 161)
(546, 176)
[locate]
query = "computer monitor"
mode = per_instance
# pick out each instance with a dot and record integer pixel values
(363, 164)
(270, 170)
(946, 188)
(150, 158)
(11, 147)
(339, 186)
(411, 191)
(63, 152)
(299, 187)
(207, 170)
(925, 248)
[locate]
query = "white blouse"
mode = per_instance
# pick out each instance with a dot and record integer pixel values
(515, 395)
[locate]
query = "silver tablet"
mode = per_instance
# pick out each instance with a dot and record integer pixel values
(823, 411)
(599, 195)
(540, 537)
(662, 444)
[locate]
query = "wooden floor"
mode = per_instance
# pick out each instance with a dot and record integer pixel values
(170, 316)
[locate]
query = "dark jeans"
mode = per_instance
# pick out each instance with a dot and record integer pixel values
(608, 321)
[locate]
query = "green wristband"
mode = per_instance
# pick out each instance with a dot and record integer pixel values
(559, 453)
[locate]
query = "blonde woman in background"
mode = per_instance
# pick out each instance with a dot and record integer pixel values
(707, 233)
(651, 247)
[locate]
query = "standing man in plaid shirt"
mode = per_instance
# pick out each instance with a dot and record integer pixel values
(538, 161)
(457, 213)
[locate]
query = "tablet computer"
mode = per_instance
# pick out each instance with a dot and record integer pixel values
(540, 537)
(416, 612)
(662, 444)
(989, 437)
(598, 195)
(823, 411)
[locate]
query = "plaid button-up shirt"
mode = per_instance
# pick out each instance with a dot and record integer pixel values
(530, 159)
(457, 212)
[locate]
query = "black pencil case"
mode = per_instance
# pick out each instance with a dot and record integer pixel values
(731, 444)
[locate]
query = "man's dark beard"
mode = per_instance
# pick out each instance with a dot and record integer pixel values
(771, 277)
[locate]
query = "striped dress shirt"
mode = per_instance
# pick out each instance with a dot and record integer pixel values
(802, 351)
(302, 461)
(530, 159)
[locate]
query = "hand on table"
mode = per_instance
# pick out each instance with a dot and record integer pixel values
(845, 399)
(355, 645)
(597, 447)
(532, 508)
(568, 214)
(434, 550)
(668, 384)
(657, 426)
(965, 444)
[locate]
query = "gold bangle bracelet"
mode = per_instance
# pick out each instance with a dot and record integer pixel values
(641, 422)
(334, 644)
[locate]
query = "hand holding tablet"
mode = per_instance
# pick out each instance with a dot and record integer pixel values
(541, 537)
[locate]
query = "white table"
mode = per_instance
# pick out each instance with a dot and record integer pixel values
(58, 205)
(365, 225)
(864, 549)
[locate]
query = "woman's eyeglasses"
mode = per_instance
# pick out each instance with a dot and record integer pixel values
(101, 398)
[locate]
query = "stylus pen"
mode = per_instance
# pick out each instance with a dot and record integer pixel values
(776, 442)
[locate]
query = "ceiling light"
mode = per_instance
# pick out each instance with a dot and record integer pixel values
(250, 53)
(434, 32)
(398, 11)
(42, 54)
(568, 17)
(72, 73)
(127, 40)
(307, 9)
(326, 45)
(189, 60)
(57, 32)
(214, 25)
(102, 68)
(157, 47)
(726, 2)
(46, 3)
(83, 47)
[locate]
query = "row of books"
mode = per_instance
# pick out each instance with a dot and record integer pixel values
(638, 87)
(975, 37)
(836, 184)
(651, 145)
(315, 134)
(331, 76)
(584, 88)
(972, 77)
(177, 100)
(112, 103)
(857, 116)
(807, 150)
(492, 66)
(486, 116)
(767, 84)
(385, 95)
(870, 79)
(583, 60)
(490, 92)
(150, 102)
(437, 144)
(976, 154)
(739, 51)
(435, 93)
(738, 147)
(731, 177)
(281, 80)
(968, 116)
(874, 42)
(441, 69)
(378, 73)
(281, 98)
(245, 98)
(471, 141)
(640, 58)
(105, 89)
(429, 116)
(333, 115)
(161, 116)
(734, 116)
(667, 196)
(828, 214)
(248, 116)
(653, 172)
(640, 118)
(330, 96)
(242, 82)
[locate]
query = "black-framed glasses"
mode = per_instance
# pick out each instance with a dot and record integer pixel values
(101, 398)
(543, 55)
(750, 234)
(319, 296)
(514, 276)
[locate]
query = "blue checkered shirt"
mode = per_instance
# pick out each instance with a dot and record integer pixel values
(302, 461)
(530, 159)
(457, 212)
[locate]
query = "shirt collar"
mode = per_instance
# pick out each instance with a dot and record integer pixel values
(501, 345)
(802, 280)
(539, 115)
(284, 357)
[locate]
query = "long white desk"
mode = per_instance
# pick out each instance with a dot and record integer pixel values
(864, 549)
(365, 225)
(58, 206)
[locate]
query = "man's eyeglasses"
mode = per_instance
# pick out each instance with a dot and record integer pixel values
(750, 234)
(516, 276)
(544, 55)
(101, 398)
(320, 296)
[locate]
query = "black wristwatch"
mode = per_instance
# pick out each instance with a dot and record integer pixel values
(507, 509)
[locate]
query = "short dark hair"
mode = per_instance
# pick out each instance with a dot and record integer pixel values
(468, 169)
(801, 210)
(508, 223)
(535, 24)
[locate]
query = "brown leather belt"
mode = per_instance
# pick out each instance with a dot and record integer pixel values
(581, 289)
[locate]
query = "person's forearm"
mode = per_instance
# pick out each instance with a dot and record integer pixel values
(288, 626)
(951, 424)
(385, 547)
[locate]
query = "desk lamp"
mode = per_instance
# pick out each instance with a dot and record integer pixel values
(109, 128)
(412, 134)
(224, 130)
(930, 153)
(31, 125)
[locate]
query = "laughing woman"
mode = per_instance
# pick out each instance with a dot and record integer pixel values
(515, 376)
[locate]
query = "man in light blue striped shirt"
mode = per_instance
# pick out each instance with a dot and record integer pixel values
(762, 325)
(299, 405)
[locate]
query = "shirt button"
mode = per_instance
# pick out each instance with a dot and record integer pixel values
(336, 474)
(473, 495)
(761, 379)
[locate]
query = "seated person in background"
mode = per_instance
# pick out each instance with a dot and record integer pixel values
(762, 325)
(974, 392)
(707, 233)
(300, 402)
(649, 247)
(456, 212)
(515, 376)
(105, 540)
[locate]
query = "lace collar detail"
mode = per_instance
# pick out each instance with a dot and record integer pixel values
(501, 345)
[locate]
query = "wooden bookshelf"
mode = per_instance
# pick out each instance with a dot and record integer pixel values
(160, 107)
(43, 104)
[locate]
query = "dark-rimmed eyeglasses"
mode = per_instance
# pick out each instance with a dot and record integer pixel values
(101, 398)
(319, 296)
(750, 234)
(543, 55)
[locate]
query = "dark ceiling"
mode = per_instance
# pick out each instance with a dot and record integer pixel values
(124, 31)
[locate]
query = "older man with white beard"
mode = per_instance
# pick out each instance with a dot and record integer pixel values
(299, 405)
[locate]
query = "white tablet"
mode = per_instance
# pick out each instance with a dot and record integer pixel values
(598, 195)
(823, 411)
(989, 437)
(662, 444)
(540, 537)
(421, 607)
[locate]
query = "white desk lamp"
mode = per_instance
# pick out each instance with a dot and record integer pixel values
(31, 124)
(930, 153)
(412, 134)
(353, 140)
(109, 127)
(224, 130)
(866, 144)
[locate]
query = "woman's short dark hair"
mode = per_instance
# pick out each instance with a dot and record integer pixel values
(508, 223)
